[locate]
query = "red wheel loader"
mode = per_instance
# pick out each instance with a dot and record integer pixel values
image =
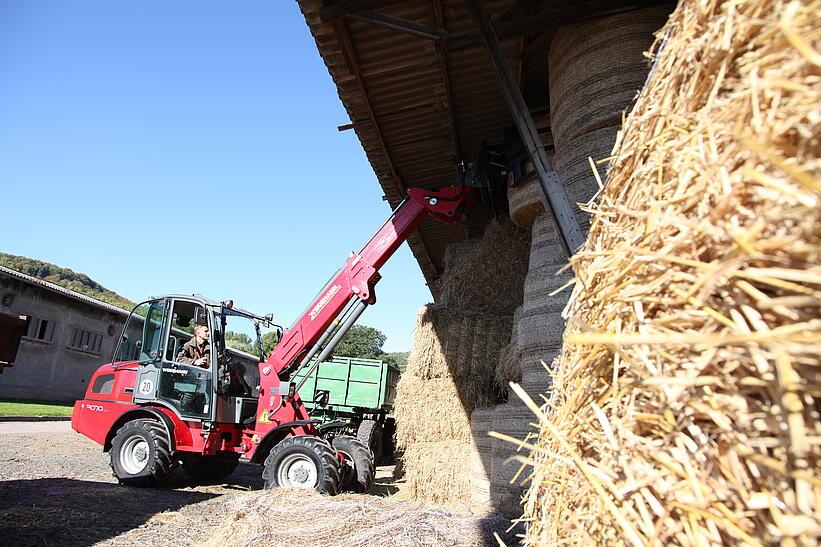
(152, 412)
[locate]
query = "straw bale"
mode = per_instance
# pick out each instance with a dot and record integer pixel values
(438, 472)
(507, 484)
(685, 406)
(545, 250)
(486, 274)
(540, 331)
(525, 200)
(595, 74)
(298, 517)
(509, 368)
(438, 339)
(437, 409)
(481, 455)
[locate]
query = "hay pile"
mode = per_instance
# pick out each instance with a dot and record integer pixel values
(297, 517)
(453, 363)
(449, 374)
(686, 404)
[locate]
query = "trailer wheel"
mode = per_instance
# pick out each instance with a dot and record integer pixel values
(141, 454)
(303, 461)
(370, 432)
(209, 468)
(360, 478)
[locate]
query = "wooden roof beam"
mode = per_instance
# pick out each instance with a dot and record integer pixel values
(551, 18)
(398, 23)
(352, 63)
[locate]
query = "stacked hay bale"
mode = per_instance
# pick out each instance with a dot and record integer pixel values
(596, 68)
(685, 406)
(441, 428)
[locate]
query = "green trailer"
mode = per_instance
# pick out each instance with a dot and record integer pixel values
(358, 391)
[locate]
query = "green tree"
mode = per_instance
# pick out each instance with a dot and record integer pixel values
(363, 342)
(64, 277)
(240, 341)
(269, 342)
(398, 358)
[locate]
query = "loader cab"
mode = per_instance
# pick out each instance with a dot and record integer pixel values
(156, 334)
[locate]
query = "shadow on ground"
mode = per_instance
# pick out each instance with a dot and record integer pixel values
(62, 511)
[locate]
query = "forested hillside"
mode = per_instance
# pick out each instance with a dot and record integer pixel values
(64, 277)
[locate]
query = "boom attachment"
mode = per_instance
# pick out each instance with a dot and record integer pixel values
(343, 300)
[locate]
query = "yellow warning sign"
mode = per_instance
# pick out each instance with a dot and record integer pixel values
(263, 418)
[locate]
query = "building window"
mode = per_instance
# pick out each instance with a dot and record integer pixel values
(86, 340)
(41, 329)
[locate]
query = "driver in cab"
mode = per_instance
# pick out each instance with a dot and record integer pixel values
(196, 351)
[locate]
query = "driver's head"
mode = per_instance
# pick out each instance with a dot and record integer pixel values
(201, 332)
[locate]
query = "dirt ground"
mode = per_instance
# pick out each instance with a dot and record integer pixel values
(56, 488)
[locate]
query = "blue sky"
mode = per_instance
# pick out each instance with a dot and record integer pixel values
(187, 146)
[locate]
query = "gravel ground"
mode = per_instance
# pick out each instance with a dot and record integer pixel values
(56, 488)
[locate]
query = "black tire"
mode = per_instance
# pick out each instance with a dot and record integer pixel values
(370, 432)
(298, 453)
(141, 454)
(360, 478)
(209, 468)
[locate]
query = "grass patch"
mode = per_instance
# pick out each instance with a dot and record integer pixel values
(34, 408)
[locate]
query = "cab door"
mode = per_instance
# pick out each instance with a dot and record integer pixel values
(186, 387)
(147, 349)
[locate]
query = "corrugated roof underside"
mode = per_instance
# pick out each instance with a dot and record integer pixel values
(405, 84)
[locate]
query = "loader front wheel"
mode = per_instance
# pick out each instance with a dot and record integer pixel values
(360, 458)
(303, 461)
(141, 454)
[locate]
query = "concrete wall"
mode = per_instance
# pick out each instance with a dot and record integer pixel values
(51, 370)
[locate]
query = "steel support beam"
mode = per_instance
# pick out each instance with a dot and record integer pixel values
(554, 197)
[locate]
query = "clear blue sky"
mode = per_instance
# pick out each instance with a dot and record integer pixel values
(187, 146)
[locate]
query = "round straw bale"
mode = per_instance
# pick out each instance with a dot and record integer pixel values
(545, 250)
(540, 331)
(596, 68)
(525, 201)
(539, 286)
(537, 384)
(486, 274)
(481, 454)
(573, 166)
(511, 419)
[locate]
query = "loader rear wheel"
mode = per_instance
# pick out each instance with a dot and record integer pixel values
(370, 432)
(209, 469)
(303, 461)
(357, 454)
(141, 454)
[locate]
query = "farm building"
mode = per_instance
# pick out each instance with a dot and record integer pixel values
(428, 101)
(69, 336)
(690, 300)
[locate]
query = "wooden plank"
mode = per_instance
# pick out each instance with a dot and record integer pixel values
(554, 197)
